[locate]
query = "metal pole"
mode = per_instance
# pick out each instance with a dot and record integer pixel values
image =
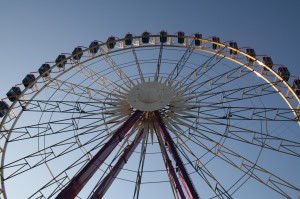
(190, 189)
(110, 177)
(170, 168)
(84, 175)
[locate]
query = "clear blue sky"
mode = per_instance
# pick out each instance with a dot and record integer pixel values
(32, 32)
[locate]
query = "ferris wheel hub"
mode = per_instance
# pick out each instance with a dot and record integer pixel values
(149, 96)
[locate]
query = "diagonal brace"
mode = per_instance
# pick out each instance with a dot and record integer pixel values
(190, 189)
(84, 175)
(108, 180)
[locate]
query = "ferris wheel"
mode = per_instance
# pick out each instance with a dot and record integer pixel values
(153, 116)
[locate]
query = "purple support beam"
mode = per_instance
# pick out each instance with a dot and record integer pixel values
(171, 169)
(185, 186)
(84, 175)
(108, 180)
(190, 189)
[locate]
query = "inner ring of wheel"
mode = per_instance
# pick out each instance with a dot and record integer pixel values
(149, 96)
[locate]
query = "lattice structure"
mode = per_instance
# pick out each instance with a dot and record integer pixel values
(153, 114)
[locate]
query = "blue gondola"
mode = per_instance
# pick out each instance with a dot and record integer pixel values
(180, 37)
(3, 108)
(128, 39)
(111, 42)
(94, 47)
(216, 46)
(198, 42)
(28, 80)
(43, 69)
(61, 61)
(284, 73)
(235, 46)
(268, 62)
(251, 52)
(163, 36)
(296, 86)
(77, 53)
(13, 93)
(145, 37)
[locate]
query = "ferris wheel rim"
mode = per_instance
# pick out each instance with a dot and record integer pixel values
(137, 47)
(262, 65)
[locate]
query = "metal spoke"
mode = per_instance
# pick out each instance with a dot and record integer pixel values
(158, 63)
(117, 70)
(84, 92)
(113, 106)
(78, 181)
(108, 180)
(186, 179)
(54, 151)
(59, 107)
(61, 179)
(66, 125)
(141, 161)
(233, 113)
(170, 169)
(138, 65)
(247, 166)
(198, 74)
(245, 93)
(97, 78)
(50, 153)
(204, 173)
(236, 133)
(179, 66)
(193, 86)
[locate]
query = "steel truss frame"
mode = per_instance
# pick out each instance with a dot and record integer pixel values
(75, 185)
(275, 85)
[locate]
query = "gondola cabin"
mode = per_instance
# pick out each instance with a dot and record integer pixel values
(217, 40)
(181, 37)
(296, 86)
(268, 62)
(163, 36)
(111, 42)
(61, 61)
(284, 73)
(28, 80)
(43, 70)
(128, 39)
(251, 52)
(3, 108)
(13, 93)
(145, 37)
(94, 47)
(235, 46)
(77, 53)
(198, 42)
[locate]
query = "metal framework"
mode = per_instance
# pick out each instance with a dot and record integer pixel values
(205, 105)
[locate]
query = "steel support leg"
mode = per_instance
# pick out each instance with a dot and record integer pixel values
(170, 168)
(190, 189)
(110, 177)
(81, 178)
